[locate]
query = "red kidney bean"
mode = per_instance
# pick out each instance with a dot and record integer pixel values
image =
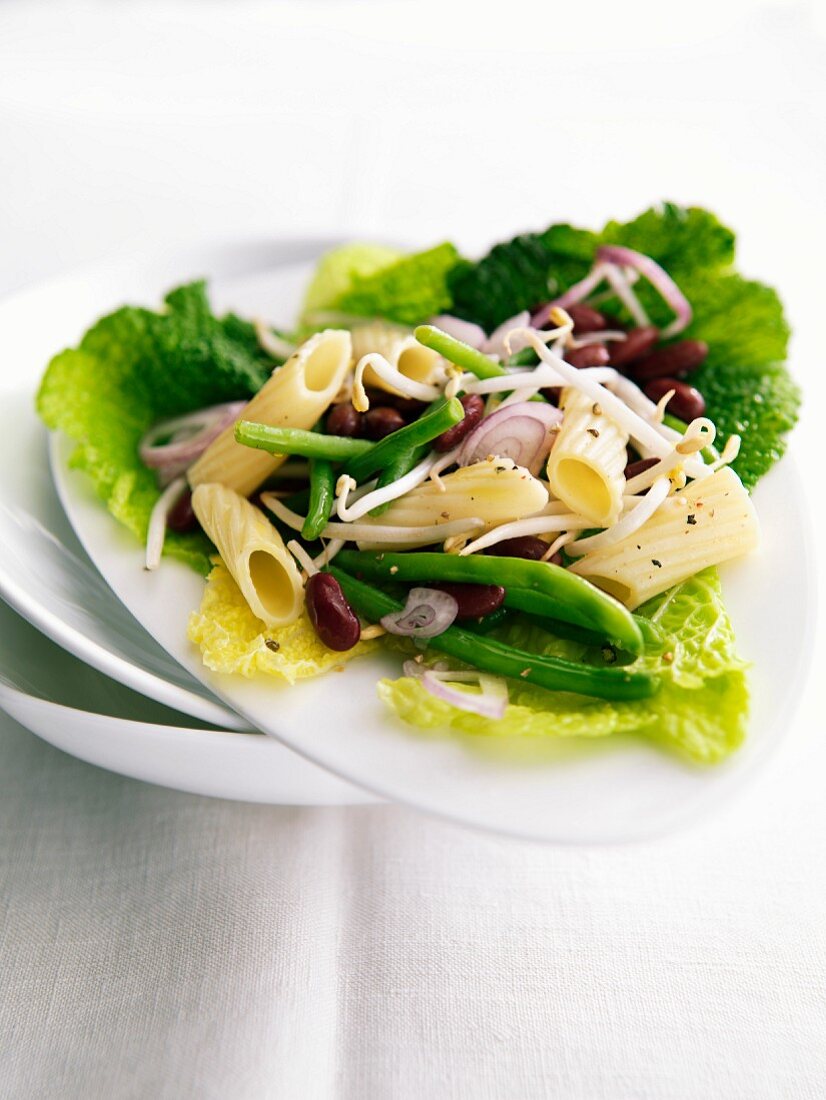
(382, 421)
(181, 517)
(639, 467)
(672, 361)
(592, 355)
(525, 546)
(638, 343)
(334, 620)
(552, 394)
(409, 407)
(474, 600)
(686, 404)
(474, 408)
(586, 319)
(344, 420)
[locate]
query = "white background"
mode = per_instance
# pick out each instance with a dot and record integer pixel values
(159, 944)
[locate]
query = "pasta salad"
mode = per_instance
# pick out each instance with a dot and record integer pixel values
(520, 473)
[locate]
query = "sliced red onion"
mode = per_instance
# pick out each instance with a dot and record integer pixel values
(572, 295)
(520, 432)
(189, 437)
(489, 704)
(495, 343)
(659, 279)
(621, 285)
(427, 613)
(486, 706)
(465, 331)
(156, 532)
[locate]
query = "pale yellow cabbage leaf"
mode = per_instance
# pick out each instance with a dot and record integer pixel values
(233, 640)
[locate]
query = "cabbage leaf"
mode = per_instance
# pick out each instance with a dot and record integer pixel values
(700, 711)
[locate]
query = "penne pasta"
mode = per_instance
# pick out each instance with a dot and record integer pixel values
(253, 552)
(706, 523)
(494, 491)
(587, 461)
(399, 347)
(295, 396)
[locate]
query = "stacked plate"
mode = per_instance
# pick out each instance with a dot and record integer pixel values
(109, 676)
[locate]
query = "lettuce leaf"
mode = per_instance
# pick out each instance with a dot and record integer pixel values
(134, 368)
(700, 711)
(339, 269)
(747, 388)
(408, 291)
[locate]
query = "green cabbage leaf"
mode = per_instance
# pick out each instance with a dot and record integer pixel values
(700, 711)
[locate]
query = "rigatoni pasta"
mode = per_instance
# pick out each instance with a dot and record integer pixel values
(295, 396)
(253, 552)
(399, 347)
(494, 491)
(587, 462)
(708, 522)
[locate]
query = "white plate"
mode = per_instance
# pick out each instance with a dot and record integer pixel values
(84, 713)
(47, 577)
(604, 791)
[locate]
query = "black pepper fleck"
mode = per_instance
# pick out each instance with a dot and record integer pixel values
(272, 644)
(658, 564)
(692, 519)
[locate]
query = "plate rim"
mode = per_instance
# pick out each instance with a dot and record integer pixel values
(15, 702)
(95, 655)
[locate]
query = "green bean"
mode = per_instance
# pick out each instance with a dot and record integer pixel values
(463, 355)
(652, 636)
(489, 655)
(443, 415)
(401, 466)
(527, 357)
(296, 441)
(487, 622)
(322, 498)
(535, 586)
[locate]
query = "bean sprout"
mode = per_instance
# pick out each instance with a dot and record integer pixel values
(535, 525)
(369, 533)
(368, 501)
(302, 557)
(630, 522)
(419, 391)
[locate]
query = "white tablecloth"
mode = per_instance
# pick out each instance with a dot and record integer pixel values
(154, 944)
